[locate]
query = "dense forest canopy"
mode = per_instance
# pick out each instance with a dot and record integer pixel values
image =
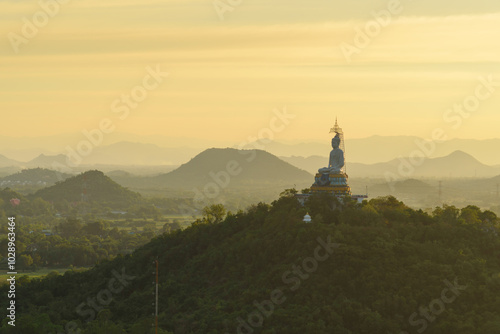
(378, 267)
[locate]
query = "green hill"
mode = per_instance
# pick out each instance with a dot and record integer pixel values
(249, 168)
(234, 177)
(373, 268)
(91, 186)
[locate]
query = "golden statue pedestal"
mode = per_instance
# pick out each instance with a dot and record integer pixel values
(331, 183)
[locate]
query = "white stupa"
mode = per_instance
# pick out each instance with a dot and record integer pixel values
(307, 218)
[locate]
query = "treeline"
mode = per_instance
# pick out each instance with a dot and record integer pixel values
(73, 243)
(378, 267)
(33, 206)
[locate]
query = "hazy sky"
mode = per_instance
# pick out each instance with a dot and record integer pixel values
(227, 76)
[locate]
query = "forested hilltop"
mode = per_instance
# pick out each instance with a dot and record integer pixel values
(379, 267)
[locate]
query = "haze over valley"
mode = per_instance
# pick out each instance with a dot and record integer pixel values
(250, 167)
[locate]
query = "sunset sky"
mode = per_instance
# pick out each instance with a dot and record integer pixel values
(227, 76)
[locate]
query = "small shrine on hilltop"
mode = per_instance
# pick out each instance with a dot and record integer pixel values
(333, 178)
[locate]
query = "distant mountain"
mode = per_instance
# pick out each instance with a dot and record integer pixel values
(118, 154)
(128, 153)
(256, 168)
(6, 162)
(457, 164)
(366, 150)
(290, 150)
(141, 151)
(140, 159)
(118, 173)
(310, 164)
(92, 186)
(58, 142)
(379, 149)
(35, 176)
(485, 151)
(25, 154)
(47, 161)
(409, 186)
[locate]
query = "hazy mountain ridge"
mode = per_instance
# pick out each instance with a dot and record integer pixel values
(6, 162)
(129, 153)
(410, 186)
(47, 160)
(379, 149)
(119, 154)
(370, 150)
(457, 164)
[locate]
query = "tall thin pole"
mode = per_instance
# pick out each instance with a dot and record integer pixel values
(156, 307)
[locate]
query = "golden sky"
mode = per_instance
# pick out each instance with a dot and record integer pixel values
(227, 76)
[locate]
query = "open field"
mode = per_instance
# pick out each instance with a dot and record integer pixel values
(34, 274)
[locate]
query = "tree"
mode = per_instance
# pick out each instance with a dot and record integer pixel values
(489, 217)
(24, 261)
(149, 227)
(95, 228)
(214, 213)
(448, 214)
(169, 227)
(143, 326)
(31, 323)
(289, 192)
(324, 205)
(470, 214)
(70, 228)
(41, 207)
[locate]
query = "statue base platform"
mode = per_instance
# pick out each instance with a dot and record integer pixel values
(331, 183)
(335, 184)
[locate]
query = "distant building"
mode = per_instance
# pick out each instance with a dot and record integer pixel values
(47, 232)
(307, 218)
(119, 212)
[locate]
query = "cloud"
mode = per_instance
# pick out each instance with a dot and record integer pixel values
(407, 40)
(93, 51)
